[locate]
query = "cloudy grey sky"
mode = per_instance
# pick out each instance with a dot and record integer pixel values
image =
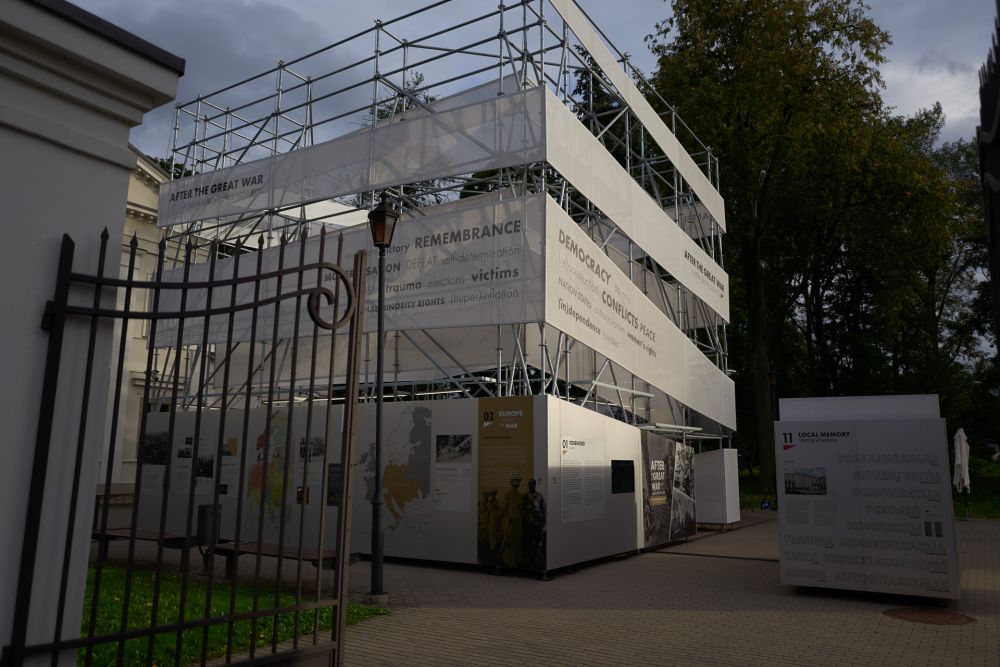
(938, 45)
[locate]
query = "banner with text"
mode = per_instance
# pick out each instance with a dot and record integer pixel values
(589, 298)
(500, 132)
(469, 263)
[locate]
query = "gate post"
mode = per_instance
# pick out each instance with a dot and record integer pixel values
(53, 322)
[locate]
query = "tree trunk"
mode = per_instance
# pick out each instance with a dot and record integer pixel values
(760, 361)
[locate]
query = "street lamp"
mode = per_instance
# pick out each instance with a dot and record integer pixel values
(382, 220)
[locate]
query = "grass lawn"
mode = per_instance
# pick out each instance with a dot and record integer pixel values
(751, 491)
(982, 503)
(110, 608)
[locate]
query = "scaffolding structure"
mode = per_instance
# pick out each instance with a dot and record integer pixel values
(401, 67)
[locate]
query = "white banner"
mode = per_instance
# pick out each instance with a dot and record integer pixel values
(664, 138)
(590, 299)
(470, 263)
(576, 154)
(503, 131)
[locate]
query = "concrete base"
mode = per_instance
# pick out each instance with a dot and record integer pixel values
(380, 600)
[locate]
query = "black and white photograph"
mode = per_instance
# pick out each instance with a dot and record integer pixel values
(333, 476)
(155, 449)
(805, 482)
(454, 449)
(206, 465)
(313, 448)
(684, 470)
(682, 517)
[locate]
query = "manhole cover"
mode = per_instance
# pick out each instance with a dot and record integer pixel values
(929, 615)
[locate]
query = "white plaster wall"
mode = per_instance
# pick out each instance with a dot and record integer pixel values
(68, 98)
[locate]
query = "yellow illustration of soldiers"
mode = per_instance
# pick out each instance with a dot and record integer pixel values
(511, 524)
(533, 513)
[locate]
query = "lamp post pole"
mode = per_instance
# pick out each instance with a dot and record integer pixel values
(382, 220)
(378, 537)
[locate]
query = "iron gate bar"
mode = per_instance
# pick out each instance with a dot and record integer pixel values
(81, 441)
(171, 432)
(288, 453)
(348, 440)
(105, 509)
(267, 449)
(195, 461)
(54, 322)
(210, 557)
(237, 530)
(325, 480)
(305, 469)
(134, 519)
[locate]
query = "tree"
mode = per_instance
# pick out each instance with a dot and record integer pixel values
(413, 97)
(758, 80)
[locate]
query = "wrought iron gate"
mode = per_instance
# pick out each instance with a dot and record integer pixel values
(145, 600)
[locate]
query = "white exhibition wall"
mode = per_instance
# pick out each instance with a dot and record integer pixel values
(531, 482)
(249, 475)
(586, 520)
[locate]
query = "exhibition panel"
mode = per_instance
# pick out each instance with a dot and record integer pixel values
(865, 503)
(586, 163)
(527, 482)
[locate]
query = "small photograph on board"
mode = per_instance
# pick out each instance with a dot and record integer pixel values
(155, 449)
(453, 449)
(312, 448)
(333, 475)
(805, 482)
(206, 466)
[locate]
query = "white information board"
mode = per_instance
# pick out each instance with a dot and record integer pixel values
(866, 505)
(582, 472)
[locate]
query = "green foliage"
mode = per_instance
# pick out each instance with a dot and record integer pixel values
(174, 169)
(110, 605)
(983, 500)
(752, 491)
(855, 244)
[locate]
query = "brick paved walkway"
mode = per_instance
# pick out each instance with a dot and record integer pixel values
(670, 608)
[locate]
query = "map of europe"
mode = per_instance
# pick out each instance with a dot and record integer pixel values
(406, 483)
